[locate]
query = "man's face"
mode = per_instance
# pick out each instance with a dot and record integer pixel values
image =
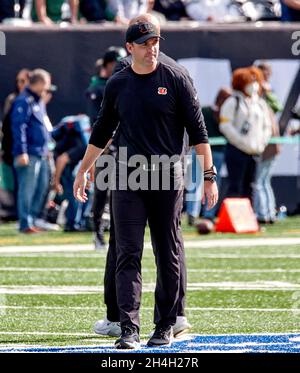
(267, 72)
(21, 80)
(110, 68)
(42, 87)
(144, 54)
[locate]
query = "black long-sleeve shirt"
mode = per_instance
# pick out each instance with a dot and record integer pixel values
(150, 110)
(167, 60)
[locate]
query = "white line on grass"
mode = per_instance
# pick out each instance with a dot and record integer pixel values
(292, 337)
(52, 333)
(49, 269)
(190, 309)
(150, 287)
(228, 242)
(191, 255)
(193, 270)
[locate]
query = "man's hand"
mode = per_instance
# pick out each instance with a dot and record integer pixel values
(22, 160)
(80, 183)
(58, 187)
(79, 187)
(211, 194)
(47, 21)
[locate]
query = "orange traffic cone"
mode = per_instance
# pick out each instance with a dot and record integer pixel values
(236, 215)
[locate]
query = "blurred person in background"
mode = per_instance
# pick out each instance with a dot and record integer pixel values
(104, 70)
(22, 80)
(49, 12)
(264, 199)
(290, 10)
(95, 10)
(11, 9)
(267, 92)
(71, 137)
(211, 116)
(173, 10)
(30, 146)
(246, 123)
(45, 175)
(210, 10)
(124, 10)
(9, 175)
(95, 90)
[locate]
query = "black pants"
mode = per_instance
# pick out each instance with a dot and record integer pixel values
(241, 172)
(131, 210)
(110, 296)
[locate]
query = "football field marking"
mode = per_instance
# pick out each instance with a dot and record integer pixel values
(193, 270)
(194, 254)
(237, 343)
(98, 308)
(150, 287)
(228, 242)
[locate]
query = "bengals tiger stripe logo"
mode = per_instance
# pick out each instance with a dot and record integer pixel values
(162, 91)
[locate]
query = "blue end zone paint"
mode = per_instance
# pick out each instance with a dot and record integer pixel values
(289, 343)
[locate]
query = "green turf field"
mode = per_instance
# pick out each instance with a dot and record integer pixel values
(9, 235)
(55, 298)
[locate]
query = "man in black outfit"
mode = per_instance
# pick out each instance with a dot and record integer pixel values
(110, 325)
(148, 102)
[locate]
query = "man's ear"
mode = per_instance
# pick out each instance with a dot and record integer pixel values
(129, 47)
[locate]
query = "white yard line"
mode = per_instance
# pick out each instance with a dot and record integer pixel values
(49, 269)
(193, 270)
(197, 254)
(50, 333)
(225, 242)
(100, 270)
(190, 309)
(243, 242)
(46, 248)
(241, 346)
(150, 287)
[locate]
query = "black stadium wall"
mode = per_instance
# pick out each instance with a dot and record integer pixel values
(69, 54)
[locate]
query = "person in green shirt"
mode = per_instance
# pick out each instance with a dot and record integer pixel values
(50, 11)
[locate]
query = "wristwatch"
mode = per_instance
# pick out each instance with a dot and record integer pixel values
(211, 171)
(211, 178)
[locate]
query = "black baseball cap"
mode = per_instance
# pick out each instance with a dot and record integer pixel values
(113, 54)
(141, 32)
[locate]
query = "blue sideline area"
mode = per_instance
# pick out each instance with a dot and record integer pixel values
(241, 343)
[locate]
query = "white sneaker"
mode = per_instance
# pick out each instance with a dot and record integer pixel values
(43, 224)
(106, 327)
(182, 326)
